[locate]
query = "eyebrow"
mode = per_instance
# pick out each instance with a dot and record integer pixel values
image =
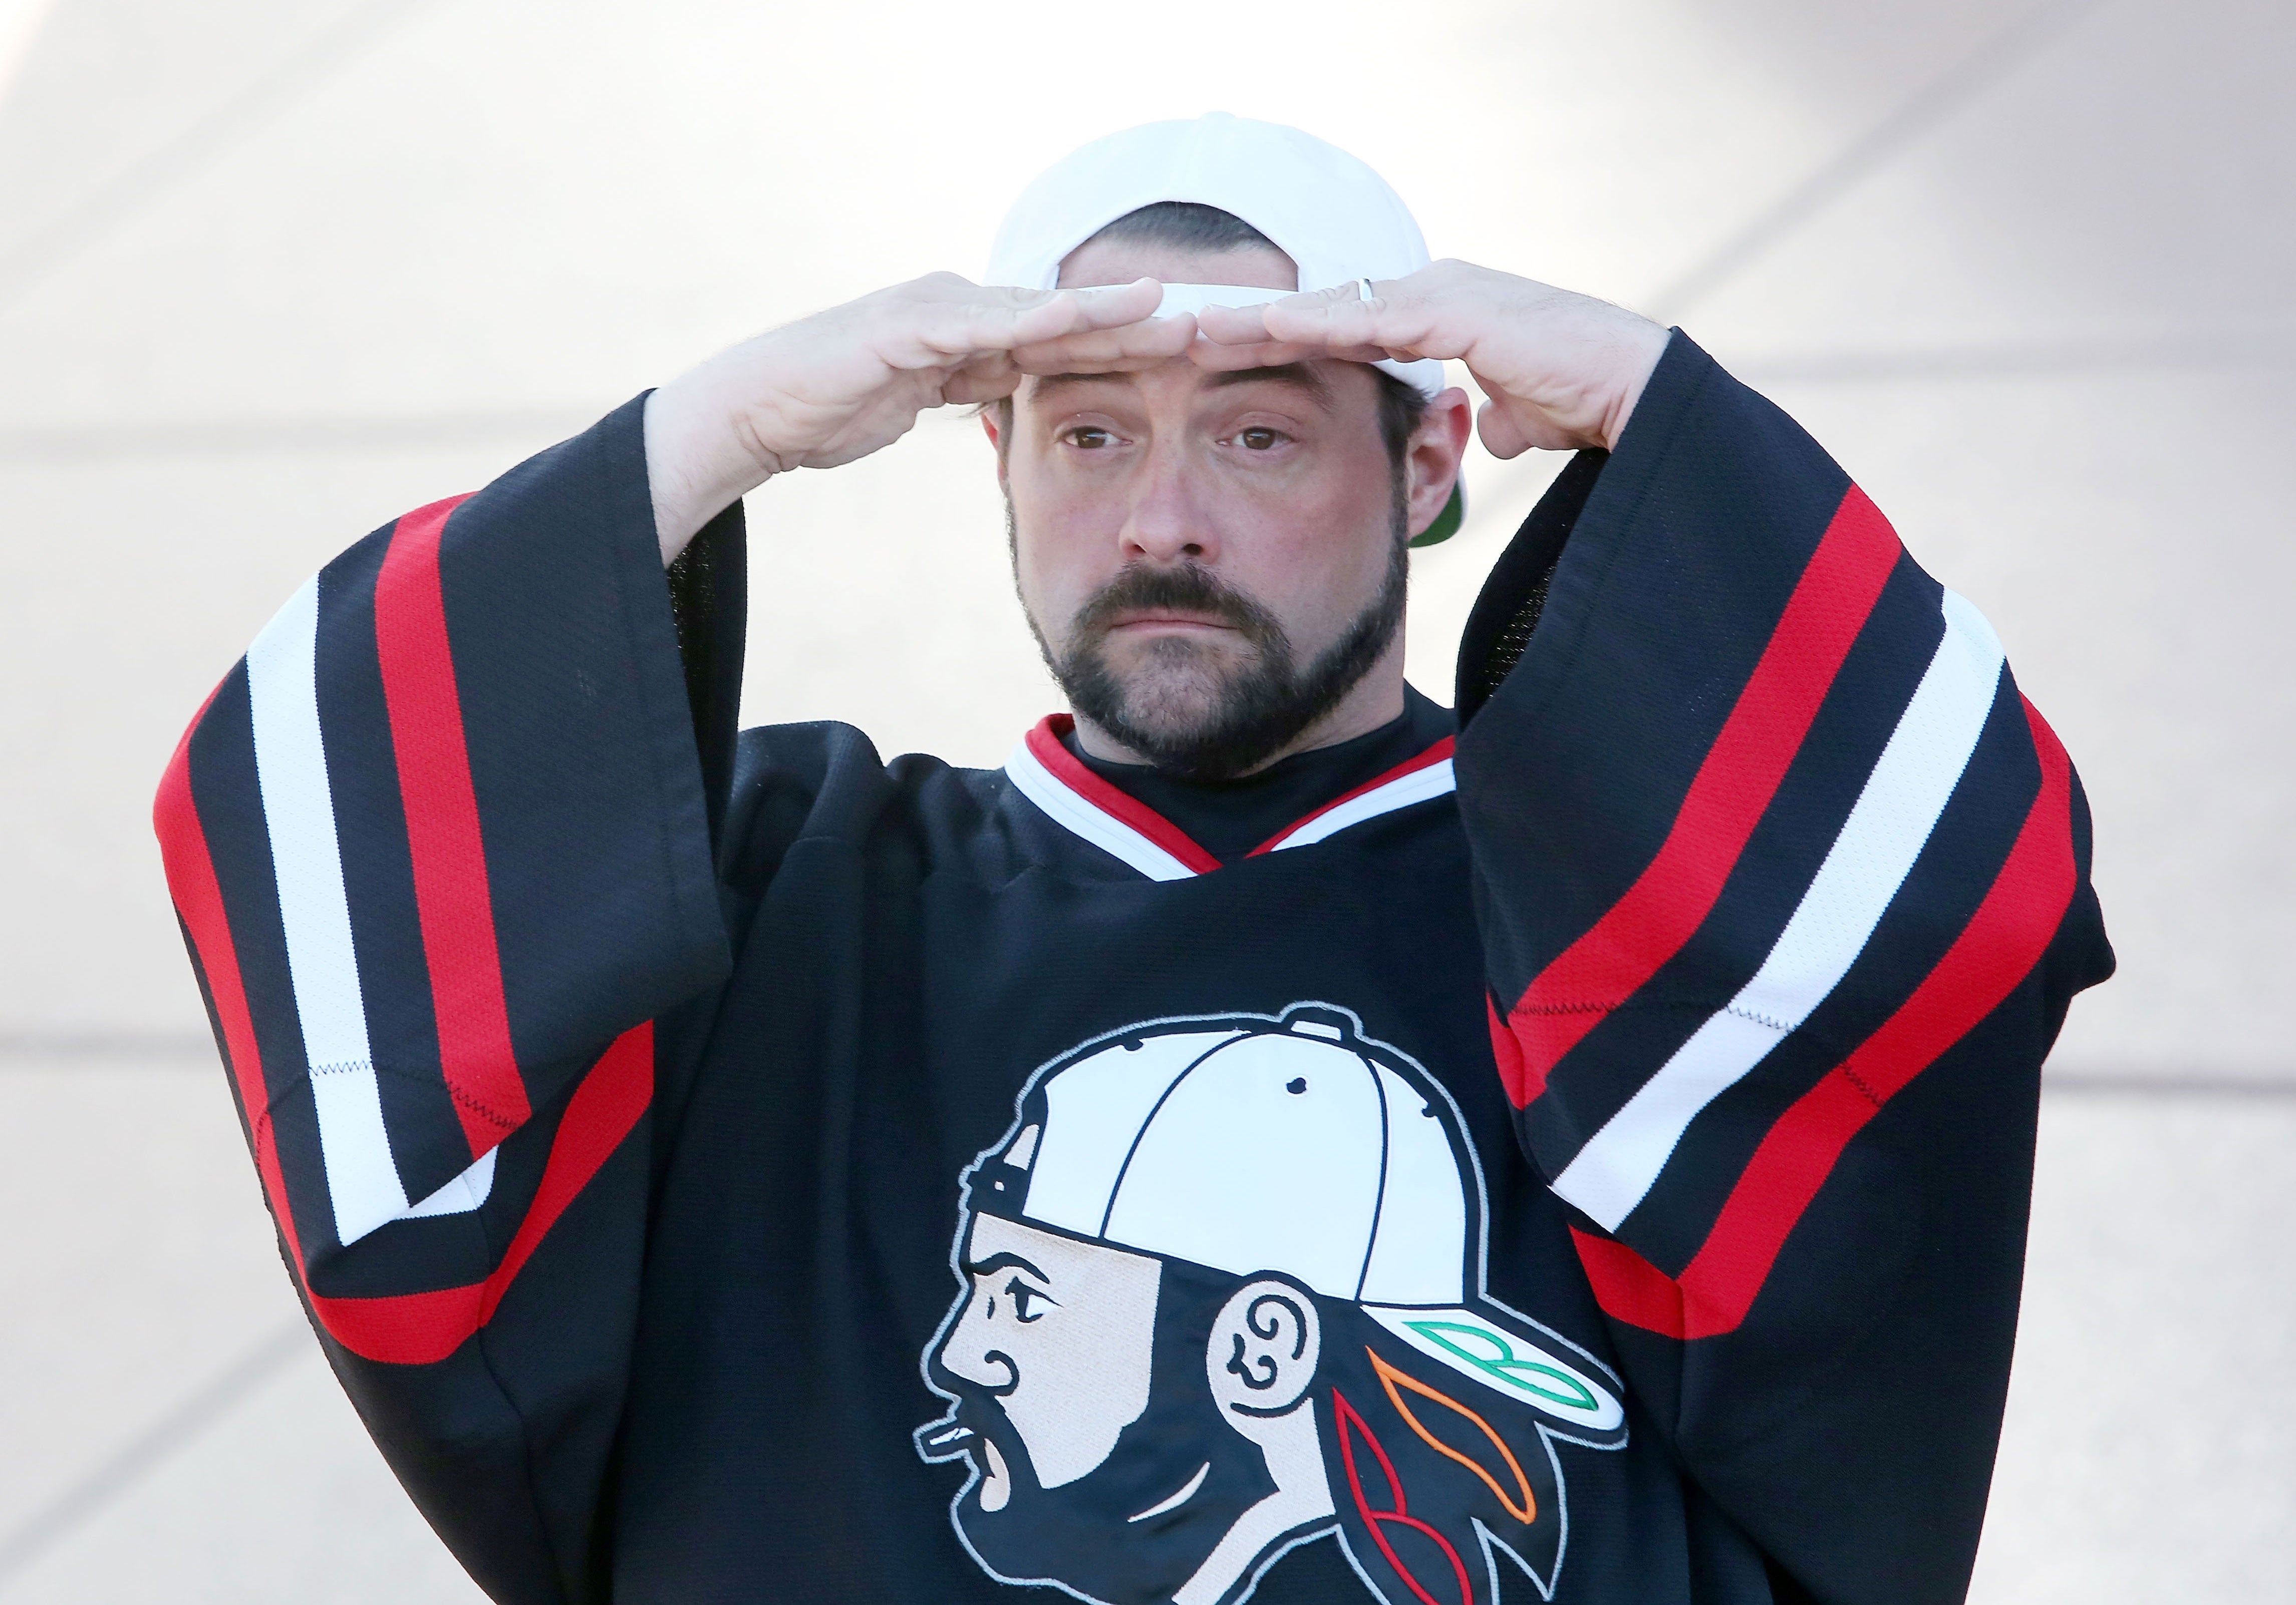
(1297, 374)
(1002, 1262)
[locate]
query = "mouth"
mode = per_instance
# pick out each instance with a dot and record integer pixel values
(1161, 621)
(996, 1480)
(949, 1439)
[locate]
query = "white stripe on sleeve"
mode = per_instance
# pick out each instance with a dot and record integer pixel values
(1871, 856)
(299, 812)
(464, 1192)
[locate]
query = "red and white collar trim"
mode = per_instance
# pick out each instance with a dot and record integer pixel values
(1043, 769)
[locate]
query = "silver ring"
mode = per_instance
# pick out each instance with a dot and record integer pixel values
(1363, 290)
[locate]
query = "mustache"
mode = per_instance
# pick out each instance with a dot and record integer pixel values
(1187, 588)
(968, 1422)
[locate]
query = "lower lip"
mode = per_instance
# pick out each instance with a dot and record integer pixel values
(997, 1487)
(1156, 625)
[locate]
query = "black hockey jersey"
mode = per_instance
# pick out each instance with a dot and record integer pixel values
(1582, 1159)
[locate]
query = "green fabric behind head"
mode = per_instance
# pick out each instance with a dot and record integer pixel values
(1446, 523)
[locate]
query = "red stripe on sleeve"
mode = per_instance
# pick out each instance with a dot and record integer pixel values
(199, 900)
(1732, 788)
(1506, 1050)
(452, 899)
(420, 1328)
(416, 1329)
(1994, 953)
(1628, 1287)
(1053, 753)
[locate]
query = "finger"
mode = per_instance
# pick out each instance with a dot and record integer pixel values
(1405, 327)
(1097, 306)
(1234, 325)
(945, 331)
(946, 289)
(1101, 351)
(974, 384)
(1503, 438)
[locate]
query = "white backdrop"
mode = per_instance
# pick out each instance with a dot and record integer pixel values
(271, 273)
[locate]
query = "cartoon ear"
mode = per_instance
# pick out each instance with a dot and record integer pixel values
(1264, 1347)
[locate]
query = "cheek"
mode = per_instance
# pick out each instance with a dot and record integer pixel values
(1058, 549)
(1317, 564)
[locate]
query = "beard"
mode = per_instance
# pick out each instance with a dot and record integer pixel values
(1183, 709)
(1086, 1534)
(1091, 1534)
(1082, 1535)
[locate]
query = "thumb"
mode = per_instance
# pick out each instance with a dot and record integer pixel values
(1502, 437)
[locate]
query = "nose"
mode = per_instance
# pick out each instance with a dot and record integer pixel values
(1165, 522)
(970, 1353)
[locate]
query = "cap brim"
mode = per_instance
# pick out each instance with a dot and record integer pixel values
(1446, 523)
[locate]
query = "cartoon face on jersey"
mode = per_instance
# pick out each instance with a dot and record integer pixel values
(1221, 1294)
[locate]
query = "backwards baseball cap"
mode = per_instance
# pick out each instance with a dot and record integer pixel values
(1336, 220)
(1290, 1145)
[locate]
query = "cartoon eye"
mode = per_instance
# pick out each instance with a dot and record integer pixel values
(1022, 1295)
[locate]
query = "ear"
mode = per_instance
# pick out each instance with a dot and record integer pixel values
(1437, 448)
(1264, 1347)
(996, 418)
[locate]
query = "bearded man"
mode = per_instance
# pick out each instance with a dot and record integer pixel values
(1574, 1144)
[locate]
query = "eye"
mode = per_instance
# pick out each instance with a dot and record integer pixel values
(1024, 1297)
(1259, 437)
(1089, 437)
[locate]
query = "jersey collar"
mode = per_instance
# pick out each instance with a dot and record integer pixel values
(1043, 769)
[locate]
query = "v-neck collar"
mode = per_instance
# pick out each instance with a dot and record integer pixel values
(1044, 770)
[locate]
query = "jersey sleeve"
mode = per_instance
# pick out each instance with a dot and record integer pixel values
(1784, 890)
(441, 848)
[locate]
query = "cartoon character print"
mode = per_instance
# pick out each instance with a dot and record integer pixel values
(1222, 1295)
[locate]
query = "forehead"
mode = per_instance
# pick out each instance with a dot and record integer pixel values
(1060, 1259)
(1323, 387)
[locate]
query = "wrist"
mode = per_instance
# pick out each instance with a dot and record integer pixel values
(1641, 345)
(699, 458)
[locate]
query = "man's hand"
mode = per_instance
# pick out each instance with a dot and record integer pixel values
(839, 385)
(1561, 371)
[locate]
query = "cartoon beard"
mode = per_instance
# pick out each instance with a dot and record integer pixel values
(1091, 1536)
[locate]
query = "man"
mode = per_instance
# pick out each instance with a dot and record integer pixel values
(1296, 1199)
(1575, 1147)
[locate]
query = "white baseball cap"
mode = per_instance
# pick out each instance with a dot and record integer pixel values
(1292, 1146)
(1338, 220)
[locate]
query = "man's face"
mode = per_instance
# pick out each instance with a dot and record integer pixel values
(1078, 1375)
(1059, 1333)
(1193, 547)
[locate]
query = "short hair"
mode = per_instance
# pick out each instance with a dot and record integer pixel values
(1191, 225)
(1185, 224)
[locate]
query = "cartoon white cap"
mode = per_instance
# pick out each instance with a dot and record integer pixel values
(1331, 214)
(1289, 1149)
